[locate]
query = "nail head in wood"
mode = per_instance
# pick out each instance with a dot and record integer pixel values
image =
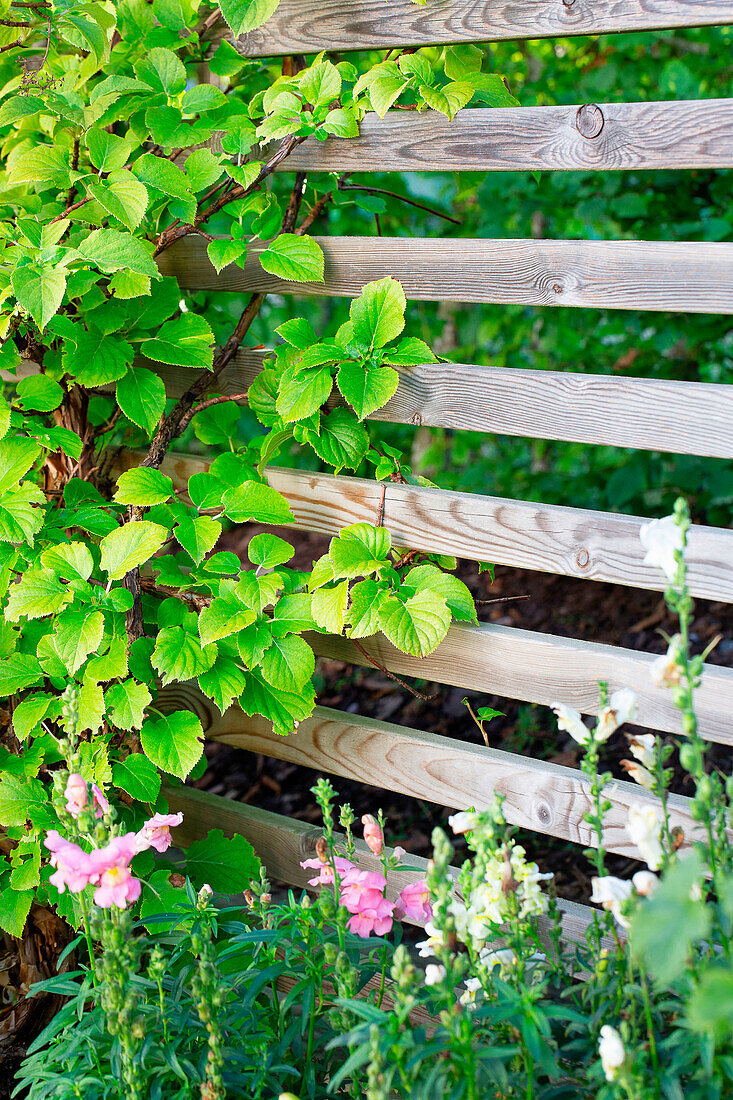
(589, 120)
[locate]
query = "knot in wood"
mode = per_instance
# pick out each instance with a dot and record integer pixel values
(582, 558)
(568, 3)
(416, 418)
(544, 814)
(589, 120)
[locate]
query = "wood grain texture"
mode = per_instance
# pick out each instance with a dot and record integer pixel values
(544, 797)
(694, 134)
(584, 408)
(690, 276)
(574, 542)
(307, 26)
(282, 843)
(542, 668)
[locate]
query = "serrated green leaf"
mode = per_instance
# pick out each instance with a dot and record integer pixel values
(246, 15)
(21, 799)
(285, 709)
(378, 314)
(253, 641)
(367, 390)
(257, 502)
(17, 455)
(268, 550)
(76, 635)
(141, 396)
(328, 606)
(363, 616)
(71, 560)
(302, 392)
(163, 175)
(44, 165)
(126, 703)
(179, 655)
(428, 578)
(224, 616)
(113, 250)
(299, 259)
(292, 615)
(202, 168)
(39, 393)
(162, 70)
(418, 625)
(341, 440)
(288, 663)
(360, 550)
(122, 196)
(186, 341)
(143, 486)
(174, 742)
(138, 776)
(197, 536)
(31, 711)
(15, 906)
(222, 252)
(129, 546)
(129, 284)
(38, 593)
(40, 290)
(17, 672)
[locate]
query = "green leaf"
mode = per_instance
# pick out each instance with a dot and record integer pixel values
(91, 705)
(666, 925)
(223, 251)
(39, 393)
(186, 341)
(341, 123)
(20, 521)
(299, 259)
(298, 332)
(76, 635)
(202, 167)
(71, 560)
(141, 396)
(328, 606)
(112, 250)
(122, 196)
(225, 615)
(259, 592)
(340, 440)
(129, 284)
(363, 617)
(162, 70)
(144, 487)
(302, 392)
(126, 703)
(15, 905)
(227, 865)
(138, 776)
(130, 545)
(288, 663)
(410, 352)
(112, 663)
(21, 799)
(360, 550)
(44, 165)
(38, 593)
(246, 15)
(17, 455)
(162, 175)
(197, 536)
(367, 390)
(223, 683)
(107, 151)
(450, 99)
(256, 502)
(174, 742)
(179, 655)
(285, 709)
(268, 551)
(418, 625)
(321, 83)
(428, 578)
(94, 360)
(29, 713)
(292, 615)
(40, 290)
(385, 83)
(378, 314)
(17, 672)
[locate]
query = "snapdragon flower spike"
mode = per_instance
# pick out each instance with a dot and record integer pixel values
(156, 832)
(413, 903)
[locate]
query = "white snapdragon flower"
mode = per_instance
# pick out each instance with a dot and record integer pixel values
(621, 708)
(473, 988)
(426, 948)
(645, 883)
(503, 957)
(463, 822)
(644, 826)
(665, 672)
(611, 893)
(571, 722)
(641, 746)
(434, 974)
(661, 538)
(639, 774)
(612, 1052)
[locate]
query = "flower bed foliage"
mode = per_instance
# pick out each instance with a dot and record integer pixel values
(315, 998)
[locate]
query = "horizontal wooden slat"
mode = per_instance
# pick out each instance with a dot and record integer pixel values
(575, 542)
(694, 134)
(584, 408)
(541, 796)
(282, 842)
(307, 26)
(690, 276)
(542, 668)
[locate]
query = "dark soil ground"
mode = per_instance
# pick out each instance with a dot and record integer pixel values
(608, 613)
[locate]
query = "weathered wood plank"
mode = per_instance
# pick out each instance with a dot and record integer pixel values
(574, 542)
(307, 26)
(607, 136)
(541, 796)
(583, 408)
(542, 668)
(689, 276)
(281, 843)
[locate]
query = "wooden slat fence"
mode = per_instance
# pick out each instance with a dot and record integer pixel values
(665, 415)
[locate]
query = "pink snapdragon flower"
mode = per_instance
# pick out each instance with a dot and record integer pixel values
(115, 884)
(373, 835)
(156, 832)
(344, 867)
(363, 896)
(74, 868)
(101, 804)
(413, 903)
(76, 794)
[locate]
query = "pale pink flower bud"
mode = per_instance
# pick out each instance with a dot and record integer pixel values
(373, 835)
(76, 794)
(413, 904)
(101, 805)
(156, 832)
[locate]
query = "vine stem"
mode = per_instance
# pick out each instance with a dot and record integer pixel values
(392, 676)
